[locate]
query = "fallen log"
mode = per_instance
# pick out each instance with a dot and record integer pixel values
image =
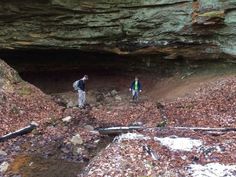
(19, 132)
(120, 130)
(206, 129)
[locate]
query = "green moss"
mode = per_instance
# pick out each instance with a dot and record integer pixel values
(25, 90)
(162, 123)
(213, 14)
(15, 110)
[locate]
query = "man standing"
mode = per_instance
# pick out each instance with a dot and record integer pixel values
(80, 86)
(135, 87)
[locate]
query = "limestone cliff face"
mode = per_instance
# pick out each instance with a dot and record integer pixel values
(193, 29)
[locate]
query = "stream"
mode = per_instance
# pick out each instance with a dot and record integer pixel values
(36, 165)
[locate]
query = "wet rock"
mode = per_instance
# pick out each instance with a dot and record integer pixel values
(67, 119)
(3, 153)
(3, 167)
(89, 127)
(76, 140)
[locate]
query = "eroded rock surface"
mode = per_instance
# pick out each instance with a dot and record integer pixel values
(193, 29)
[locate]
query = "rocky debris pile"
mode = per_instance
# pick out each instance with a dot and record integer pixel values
(19, 110)
(163, 153)
(213, 105)
(22, 103)
(8, 77)
(107, 97)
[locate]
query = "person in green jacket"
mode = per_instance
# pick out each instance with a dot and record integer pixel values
(135, 87)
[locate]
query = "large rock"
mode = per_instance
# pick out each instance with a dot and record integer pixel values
(193, 29)
(76, 140)
(3, 167)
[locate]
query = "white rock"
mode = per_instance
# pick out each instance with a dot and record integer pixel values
(137, 124)
(76, 139)
(118, 98)
(212, 170)
(67, 119)
(78, 151)
(3, 167)
(179, 143)
(3, 153)
(131, 136)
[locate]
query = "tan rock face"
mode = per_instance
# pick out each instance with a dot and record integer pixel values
(8, 76)
(192, 29)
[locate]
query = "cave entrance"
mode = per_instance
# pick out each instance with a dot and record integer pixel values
(54, 71)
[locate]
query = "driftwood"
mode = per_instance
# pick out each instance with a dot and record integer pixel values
(19, 132)
(206, 129)
(119, 130)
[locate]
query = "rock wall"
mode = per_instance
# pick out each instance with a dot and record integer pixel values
(192, 29)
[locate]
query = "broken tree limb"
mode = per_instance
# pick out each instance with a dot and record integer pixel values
(19, 132)
(120, 130)
(206, 129)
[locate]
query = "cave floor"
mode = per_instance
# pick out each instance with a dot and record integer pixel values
(187, 97)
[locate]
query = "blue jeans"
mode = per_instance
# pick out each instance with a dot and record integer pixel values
(135, 94)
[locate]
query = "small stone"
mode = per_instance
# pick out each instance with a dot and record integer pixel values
(89, 127)
(76, 140)
(108, 94)
(114, 92)
(97, 141)
(3, 167)
(70, 104)
(137, 124)
(77, 151)
(3, 153)
(99, 98)
(118, 98)
(67, 119)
